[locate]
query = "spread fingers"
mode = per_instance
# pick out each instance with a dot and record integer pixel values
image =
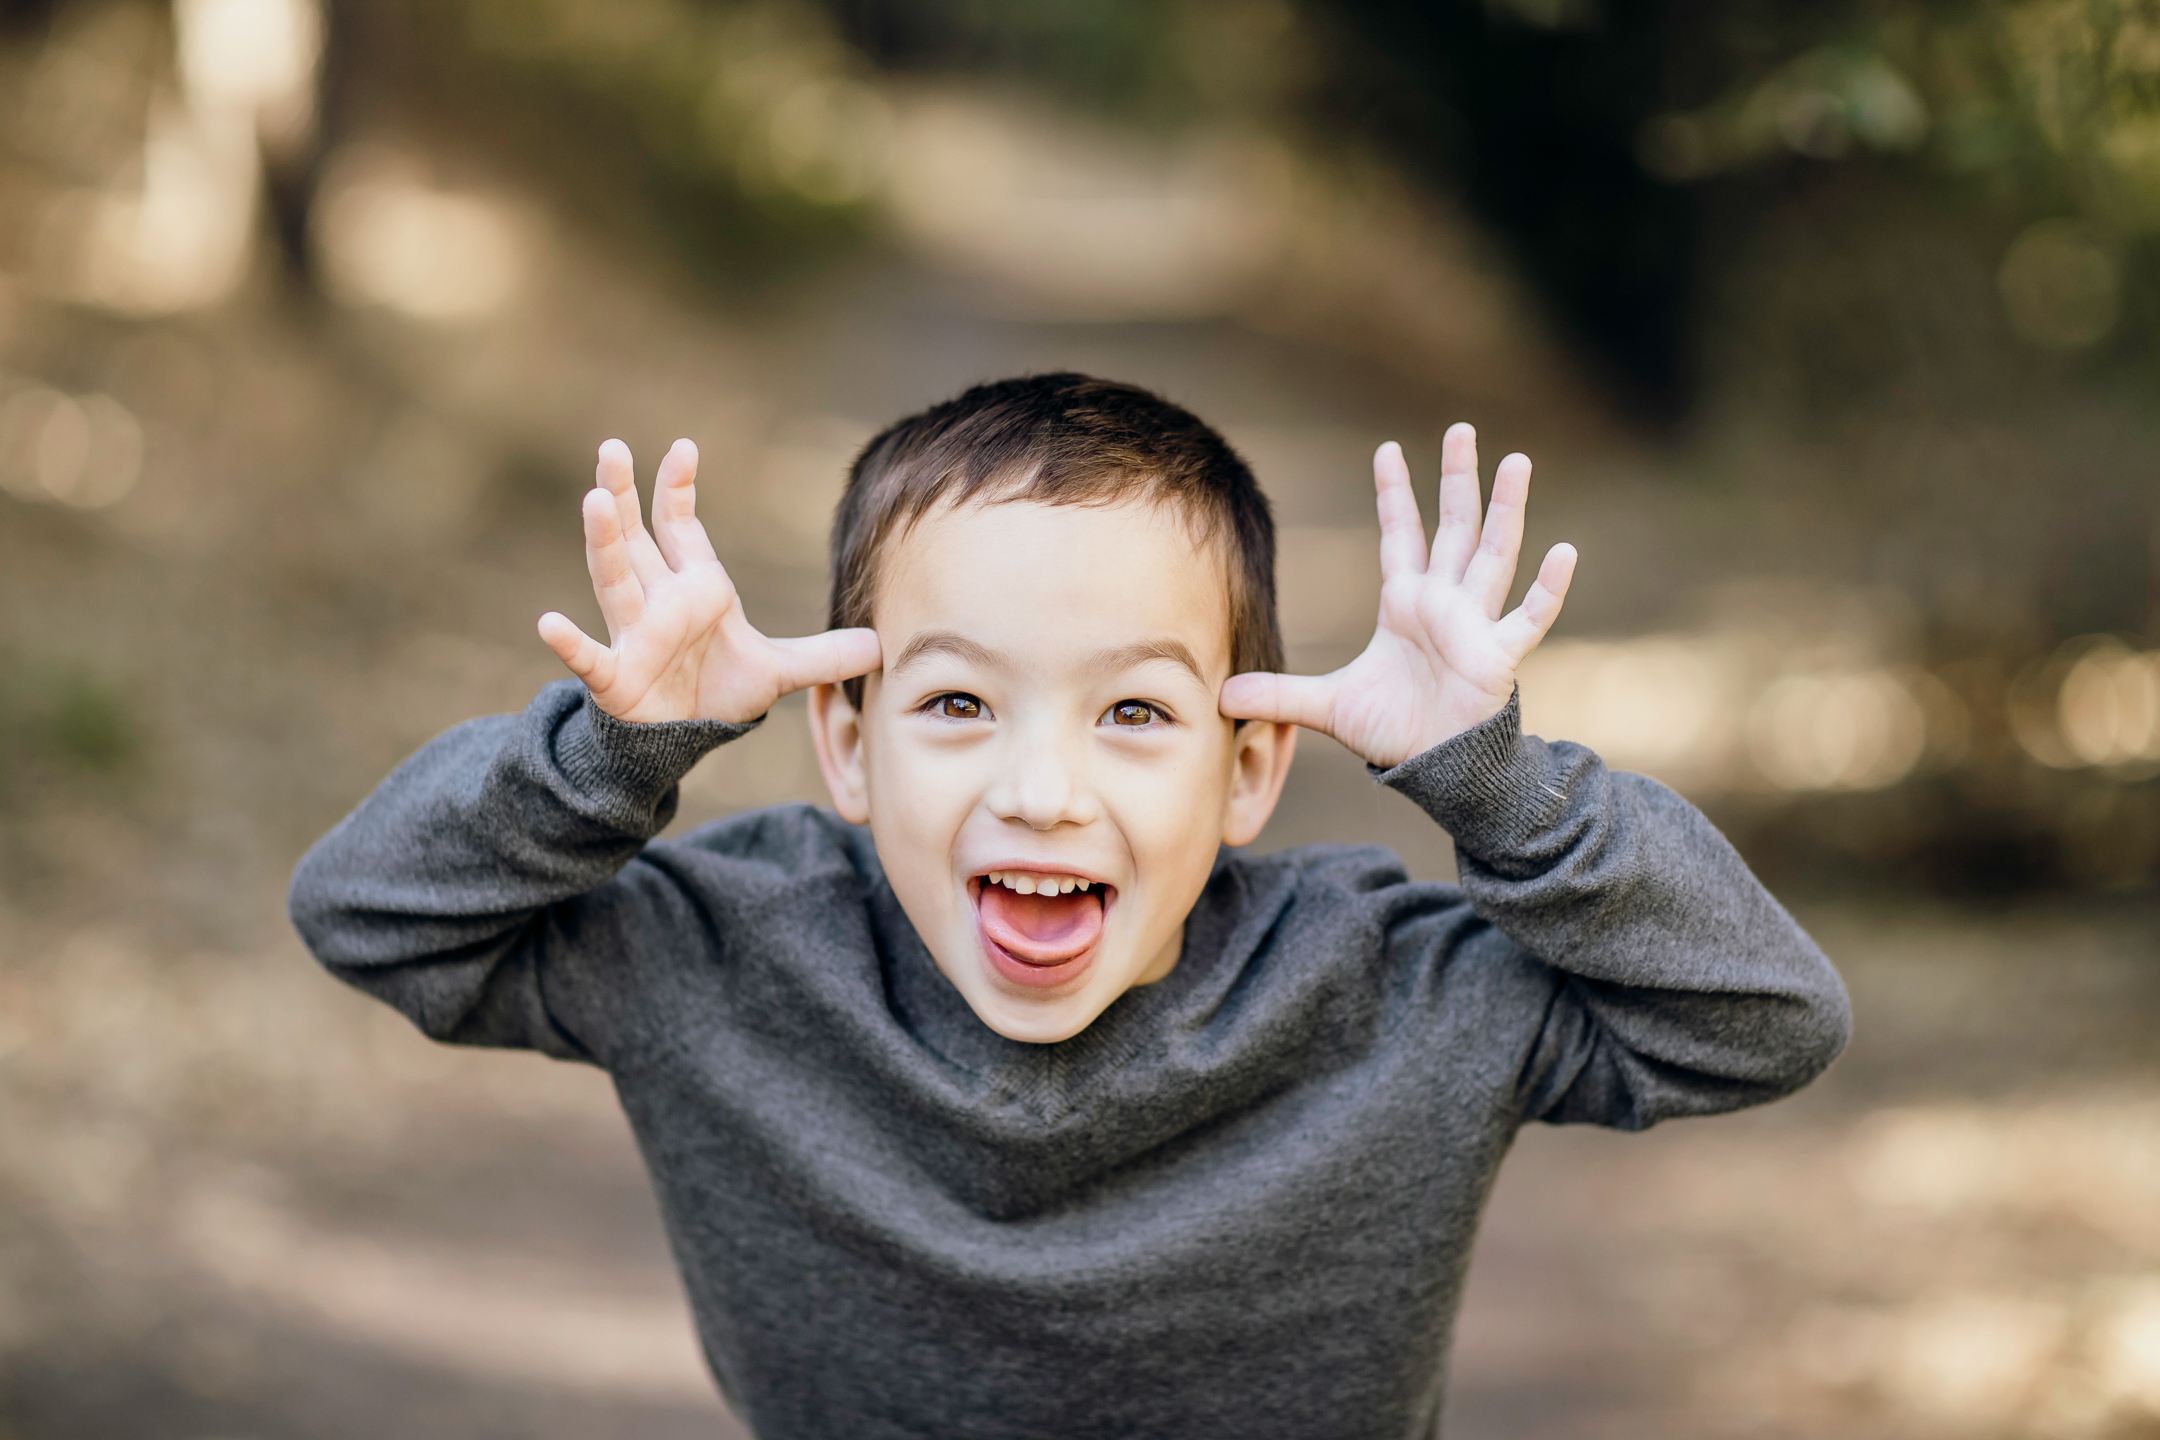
(615, 579)
(1456, 536)
(1492, 568)
(615, 475)
(1402, 529)
(1521, 631)
(683, 540)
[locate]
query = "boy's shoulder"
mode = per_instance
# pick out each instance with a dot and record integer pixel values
(1326, 887)
(1322, 869)
(1348, 930)
(783, 842)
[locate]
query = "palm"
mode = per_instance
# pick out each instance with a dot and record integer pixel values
(679, 646)
(1443, 656)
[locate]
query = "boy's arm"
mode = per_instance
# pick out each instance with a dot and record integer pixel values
(1685, 988)
(447, 892)
(486, 858)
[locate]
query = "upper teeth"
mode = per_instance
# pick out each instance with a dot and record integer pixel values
(1028, 884)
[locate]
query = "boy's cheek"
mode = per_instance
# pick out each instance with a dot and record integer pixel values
(1175, 801)
(1171, 826)
(918, 803)
(923, 790)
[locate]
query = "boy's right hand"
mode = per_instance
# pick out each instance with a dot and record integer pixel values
(679, 646)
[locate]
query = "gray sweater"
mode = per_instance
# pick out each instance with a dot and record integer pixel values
(1239, 1204)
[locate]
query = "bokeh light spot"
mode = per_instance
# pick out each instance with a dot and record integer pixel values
(388, 239)
(2062, 285)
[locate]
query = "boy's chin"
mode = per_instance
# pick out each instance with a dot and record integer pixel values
(1037, 1029)
(1040, 1019)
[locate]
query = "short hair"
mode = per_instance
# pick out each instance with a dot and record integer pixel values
(1062, 439)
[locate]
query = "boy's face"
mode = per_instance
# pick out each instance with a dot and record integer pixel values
(1046, 720)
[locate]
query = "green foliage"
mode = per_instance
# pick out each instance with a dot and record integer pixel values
(744, 128)
(757, 133)
(86, 725)
(61, 720)
(1157, 60)
(1633, 153)
(2052, 101)
(2088, 74)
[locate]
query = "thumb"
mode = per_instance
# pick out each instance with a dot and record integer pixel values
(826, 659)
(1306, 700)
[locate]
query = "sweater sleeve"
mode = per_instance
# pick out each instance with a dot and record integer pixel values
(489, 855)
(1682, 987)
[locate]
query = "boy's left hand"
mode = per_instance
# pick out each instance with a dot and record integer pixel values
(1443, 657)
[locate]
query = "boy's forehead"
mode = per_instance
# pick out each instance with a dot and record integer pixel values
(1005, 566)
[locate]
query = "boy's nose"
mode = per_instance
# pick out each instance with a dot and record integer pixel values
(1041, 786)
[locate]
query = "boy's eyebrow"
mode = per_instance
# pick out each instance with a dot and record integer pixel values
(945, 642)
(1124, 657)
(1141, 651)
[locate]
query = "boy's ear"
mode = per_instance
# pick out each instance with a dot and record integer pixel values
(836, 729)
(1260, 762)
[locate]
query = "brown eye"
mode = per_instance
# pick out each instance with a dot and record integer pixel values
(1131, 712)
(960, 707)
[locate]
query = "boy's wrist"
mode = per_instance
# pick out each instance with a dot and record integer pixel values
(642, 761)
(1477, 784)
(1460, 719)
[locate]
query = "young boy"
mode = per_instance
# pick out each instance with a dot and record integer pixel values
(1030, 1110)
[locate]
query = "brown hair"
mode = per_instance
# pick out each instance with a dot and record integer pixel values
(1063, 439)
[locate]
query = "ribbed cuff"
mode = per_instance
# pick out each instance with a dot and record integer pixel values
(1488, 784)
(640, 763)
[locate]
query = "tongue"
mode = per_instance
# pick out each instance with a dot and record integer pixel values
(1042, 929)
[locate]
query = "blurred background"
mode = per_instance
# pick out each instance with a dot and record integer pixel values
(1831, 326)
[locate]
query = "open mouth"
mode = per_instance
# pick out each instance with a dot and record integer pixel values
(1040, 928)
